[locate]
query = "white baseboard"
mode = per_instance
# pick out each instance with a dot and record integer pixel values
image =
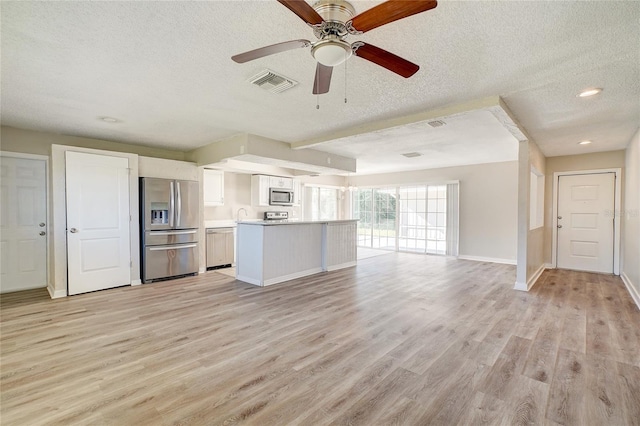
(202, 270)
(341, 266)
(56, 294)
(631, 289)
(534, 278)
(249, 280)
(520, 286)
(136, 282)
(488, 259)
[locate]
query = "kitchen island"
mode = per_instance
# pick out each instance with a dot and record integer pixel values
(270, 252)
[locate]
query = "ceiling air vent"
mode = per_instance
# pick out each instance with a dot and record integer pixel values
(412, 154)
(272, 81)
(436, 123)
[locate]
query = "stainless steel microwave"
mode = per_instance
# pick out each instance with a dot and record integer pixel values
(280, 197)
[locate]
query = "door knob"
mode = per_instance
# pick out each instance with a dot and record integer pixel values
(73, 230)
(559, 226)
(41, 224)
(42, 233)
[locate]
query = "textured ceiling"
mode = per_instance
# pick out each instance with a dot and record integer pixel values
(164, 70)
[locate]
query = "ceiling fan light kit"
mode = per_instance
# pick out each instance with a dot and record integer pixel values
(332, 21)
(331, 51)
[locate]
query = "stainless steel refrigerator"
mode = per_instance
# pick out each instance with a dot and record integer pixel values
(169, 213)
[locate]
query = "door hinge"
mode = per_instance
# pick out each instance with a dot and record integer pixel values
(131, 264)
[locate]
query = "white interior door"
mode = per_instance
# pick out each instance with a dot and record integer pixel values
(23, 224)
(98, 242)
(586, 222)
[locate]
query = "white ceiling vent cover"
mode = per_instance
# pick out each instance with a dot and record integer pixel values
(272, 81)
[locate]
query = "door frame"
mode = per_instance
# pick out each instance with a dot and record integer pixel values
(616, 218)
(58, 179)
(48, 227)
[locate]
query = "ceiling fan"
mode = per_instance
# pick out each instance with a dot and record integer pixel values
(332, 21)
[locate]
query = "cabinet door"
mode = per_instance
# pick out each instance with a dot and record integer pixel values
(229, 246)
(281, 182)
(213, 187)
(297, 192)
(220, 248)
(264, 190)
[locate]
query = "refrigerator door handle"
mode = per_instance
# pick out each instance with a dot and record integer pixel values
(172, 204)
(179, 209)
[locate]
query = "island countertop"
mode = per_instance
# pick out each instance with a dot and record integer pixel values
(294, 222)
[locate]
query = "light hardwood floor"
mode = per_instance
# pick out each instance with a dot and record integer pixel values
(400, 339)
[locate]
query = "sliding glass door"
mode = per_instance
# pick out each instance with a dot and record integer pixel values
(423, 219)
(376, 211)
(416, 218)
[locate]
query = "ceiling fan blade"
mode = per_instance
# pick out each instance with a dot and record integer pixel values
(270, 50)
(390, 11)
(386, 59)
(323, 79)
(303, 10)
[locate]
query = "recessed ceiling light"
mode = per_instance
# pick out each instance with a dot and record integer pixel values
(589, 92)
(109, 119)
(584, 143)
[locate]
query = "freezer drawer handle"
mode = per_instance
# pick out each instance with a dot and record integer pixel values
(172, 232)
(178, 247)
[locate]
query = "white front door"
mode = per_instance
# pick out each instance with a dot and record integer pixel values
(586, 222)
(23, 224)
(98, 242)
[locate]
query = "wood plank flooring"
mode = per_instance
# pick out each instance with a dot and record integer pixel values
(400, 339)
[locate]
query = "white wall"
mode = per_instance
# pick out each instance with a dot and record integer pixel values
(488, 204)
(631, 234)
(32, 142)
(535, 237)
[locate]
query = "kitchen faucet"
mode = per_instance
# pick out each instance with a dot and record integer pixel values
(238, 213)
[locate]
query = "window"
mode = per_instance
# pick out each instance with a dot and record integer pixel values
(321, 203)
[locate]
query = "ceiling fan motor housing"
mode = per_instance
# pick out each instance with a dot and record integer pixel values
(335, 10)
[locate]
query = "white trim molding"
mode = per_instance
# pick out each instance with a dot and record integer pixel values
(532, 281)
(487, 259)
(631, 289)
(56, 294)
(617, 208)
(136, 282)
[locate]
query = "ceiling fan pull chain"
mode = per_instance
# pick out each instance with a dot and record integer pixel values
(317, 101)
(345, 80)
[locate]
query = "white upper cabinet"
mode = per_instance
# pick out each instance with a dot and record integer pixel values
(260, 185)
(297, 192)
(280, 182)
(213, 187)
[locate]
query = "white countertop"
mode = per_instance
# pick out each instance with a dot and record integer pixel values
(219, 224)
(293, 222)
